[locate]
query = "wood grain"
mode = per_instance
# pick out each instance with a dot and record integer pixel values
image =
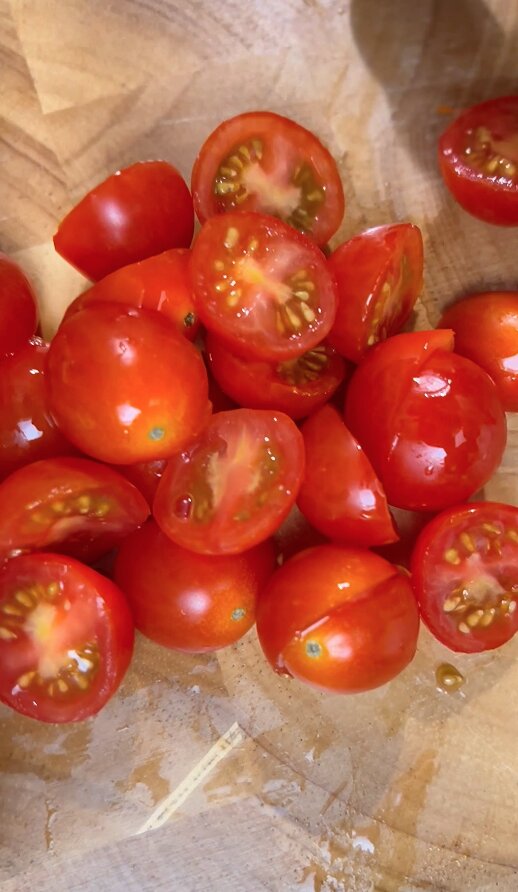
(402, 789)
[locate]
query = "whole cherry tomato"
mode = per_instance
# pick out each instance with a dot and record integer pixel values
(135, 213)
(18, 308)
(340, 619)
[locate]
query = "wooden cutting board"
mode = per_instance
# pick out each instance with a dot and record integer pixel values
(209, 773)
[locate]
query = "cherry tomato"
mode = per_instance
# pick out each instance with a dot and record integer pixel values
(27, 430)
(478, 158)
(18, 308)
(135, 213)
(66, 638)
(190, 602)
(145, 475)
(265, 289)
(124, 386)
(264, 162)
(71, 505)
(340, 619)
(437, 429)
(296, 386)
(379, 275)
(340, 493)
(465, 575)
(232, 486)
(159, 283)
(486, 331)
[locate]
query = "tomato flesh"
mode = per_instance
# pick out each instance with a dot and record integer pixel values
(262, 287)
(66, 638)
(464, 571)
(260, 161)
(232, 486)
(18, 307)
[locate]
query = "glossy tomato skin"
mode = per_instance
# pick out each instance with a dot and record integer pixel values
(160, 283)
(379, 276)
(27, 430)
(135, 213)
(18, 307)
(340, 619)
(478, 159)
(72, 505)
(340, 494)
(232, 486)
(296, 387)
(66, 651)
(261, 287)
(260, 161)
(486, 331)
(443, 437)
(464, 573)
(124, 386)
(145, 475)
(190, 602)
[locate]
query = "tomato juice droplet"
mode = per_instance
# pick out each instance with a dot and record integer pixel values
(448, 678)
(183, 507)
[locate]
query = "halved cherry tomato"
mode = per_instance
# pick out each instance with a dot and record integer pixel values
(71, 505)
(159, 283)
(124, 386)
(340, 619)
(27, 430)
(232, 486)
(465, 575)
(190, 602)
(434, 430)
(486, 331)
(260, 161)
(379, 275)
(18, 308)
(145, 475)
(66, 638)
(135, 213)
(478, 158)
(296, 386)
(340, 493)
(263, 288)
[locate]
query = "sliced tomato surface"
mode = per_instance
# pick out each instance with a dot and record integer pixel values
(260, 161)
(231, 487)
(66, 638)
(465, 576)
(262, 287)
(478, 158)
(18, 307)
(70, 505)
(295, 386)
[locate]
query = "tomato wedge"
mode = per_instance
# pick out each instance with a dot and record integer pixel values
(232, 486)
(260, 161)
(478, 158)
(465, 575)
(71, 505)
(263, 288)
(18, 307)
(66, 638)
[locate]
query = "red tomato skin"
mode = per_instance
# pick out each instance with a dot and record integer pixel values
(262, 385)
(35, 488)
(340, 494)
(27, 430)
(184, 600)
(161, 283)
(248, 334)
(234, 131)
(116, 637)
(240, 431)
(362, 267)
(124, 386)
(135, 213)
(428, 565)
(493, 199)
(350, 595)
(486, 331)
(18, 307)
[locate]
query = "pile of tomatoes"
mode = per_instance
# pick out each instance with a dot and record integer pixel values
(204, 413)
